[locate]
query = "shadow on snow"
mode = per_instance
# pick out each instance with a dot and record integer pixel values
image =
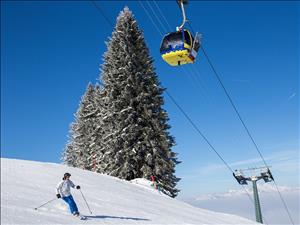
(115, 217)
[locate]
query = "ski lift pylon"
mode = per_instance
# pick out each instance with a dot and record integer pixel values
(239, 176)
(267, 175)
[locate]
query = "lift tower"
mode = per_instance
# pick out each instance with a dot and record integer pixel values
(265, 174)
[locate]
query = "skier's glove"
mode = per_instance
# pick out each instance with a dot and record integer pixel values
(58, 196)
(77, 187)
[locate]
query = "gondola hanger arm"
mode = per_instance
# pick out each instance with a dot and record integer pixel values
(181, 4)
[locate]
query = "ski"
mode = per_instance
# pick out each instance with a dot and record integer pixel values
(82, 217)
(79, 216)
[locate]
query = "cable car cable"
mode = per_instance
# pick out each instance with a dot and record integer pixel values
(198, 131)
(245, 127)
(178, 47)
(193, 124)
(157, 18)
(242, 121)
(165, 30)
(178, 106)
(190, 120)
(183, 112)
(196, 128)
(161, 13)
(237, 113)
(150, 18)
(207, 141)
(102, 13)
(232, 104)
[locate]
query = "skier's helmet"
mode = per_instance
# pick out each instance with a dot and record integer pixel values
(66, 175)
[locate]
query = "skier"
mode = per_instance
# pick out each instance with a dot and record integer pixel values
(63, 191)
(154, 183)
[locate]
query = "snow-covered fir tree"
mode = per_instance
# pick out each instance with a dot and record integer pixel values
(77, 152)
(136, 136)
(69, 157)
(97, 150)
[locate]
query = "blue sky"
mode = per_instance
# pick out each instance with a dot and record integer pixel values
(50, 51)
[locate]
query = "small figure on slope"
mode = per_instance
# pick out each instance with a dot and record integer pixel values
(63, 191)
(154, 183)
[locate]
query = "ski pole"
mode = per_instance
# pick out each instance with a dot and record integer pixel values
(85, 201)
(45, 203)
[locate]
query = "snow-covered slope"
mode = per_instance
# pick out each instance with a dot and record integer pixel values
(27, 184)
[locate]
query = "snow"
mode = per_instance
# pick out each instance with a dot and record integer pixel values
(90, 114)
(26, 185)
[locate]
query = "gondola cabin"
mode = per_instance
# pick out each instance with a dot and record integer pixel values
(180, 47)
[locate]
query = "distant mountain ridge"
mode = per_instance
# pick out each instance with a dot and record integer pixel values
(262, 189)
(240, 203)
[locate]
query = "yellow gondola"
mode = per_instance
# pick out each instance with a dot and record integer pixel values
(180, 47)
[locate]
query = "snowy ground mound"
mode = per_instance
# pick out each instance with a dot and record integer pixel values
(27, 184)
(144, 183)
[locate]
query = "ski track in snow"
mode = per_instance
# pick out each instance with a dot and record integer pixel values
(26, 185)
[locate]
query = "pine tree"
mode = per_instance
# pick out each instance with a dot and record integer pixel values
(68, 156)
(135, 132)
(97, 150)
(82, 138)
